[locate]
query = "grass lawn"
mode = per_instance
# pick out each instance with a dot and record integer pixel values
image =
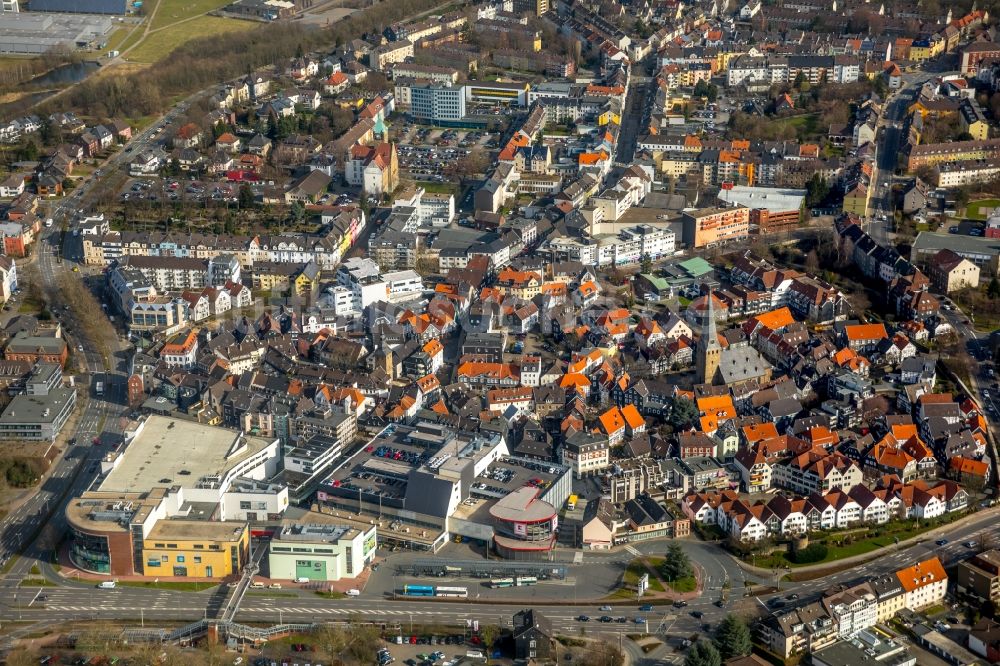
(684, 302)
(159, 44)
(439, 188)
(117, 39)
(688, 584)
(974, 211)
(30, 306)
(634, 571)
(331, 595)
(169, 585)
(804, 125)
(887, 537)
(171, 11)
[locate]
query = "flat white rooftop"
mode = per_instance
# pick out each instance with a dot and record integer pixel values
(169, 452)
(777, 199)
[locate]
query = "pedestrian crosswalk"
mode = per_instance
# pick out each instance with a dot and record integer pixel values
(633, 550)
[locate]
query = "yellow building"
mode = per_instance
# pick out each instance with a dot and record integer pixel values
(856, 201)
(307, 279)
(973, 121)
(609, 117)
(195, 548)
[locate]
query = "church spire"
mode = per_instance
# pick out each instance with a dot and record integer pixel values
(708, 331)
(709, 351)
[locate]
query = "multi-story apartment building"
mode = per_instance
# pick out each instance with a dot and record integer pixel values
(390, 53)
(585, 454)
(854, 609)
(967, 172)
(936, 153)
(712, 226)
(925, 583)
(979, 576)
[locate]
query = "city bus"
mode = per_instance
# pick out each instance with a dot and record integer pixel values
(418, 590)
(502, 582)
(526, 580)
(458, 592)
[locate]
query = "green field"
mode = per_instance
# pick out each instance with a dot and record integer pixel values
(974, 211)
(172, 11)
(125, 37)
(882, 537)
(159, 44)
(804, 124)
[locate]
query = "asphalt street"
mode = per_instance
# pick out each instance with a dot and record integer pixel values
(890, 139)
(72, 472)
(79, 600)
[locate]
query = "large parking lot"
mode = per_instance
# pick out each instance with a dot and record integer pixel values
(174, 189)
(428, 163)
(425, 152)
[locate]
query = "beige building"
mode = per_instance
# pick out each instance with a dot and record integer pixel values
(390, 53)
(950, 272)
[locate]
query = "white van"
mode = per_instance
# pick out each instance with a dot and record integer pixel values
(475, 654)
(302, 579)
(353, 593)
(108, 585)
(257, 585)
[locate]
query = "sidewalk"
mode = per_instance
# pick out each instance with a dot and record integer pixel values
(875, 554)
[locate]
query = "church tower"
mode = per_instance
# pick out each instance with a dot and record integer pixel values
(708, 353)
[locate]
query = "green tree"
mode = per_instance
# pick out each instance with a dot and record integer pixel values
(706, 90)
(646, 265)
(732, 638)
(28, 152)
(676, 564)
(703, 653)
(683, 413)
(817, 190)
(994, 289)
(297, 212)
(246, 197)
(490, 634)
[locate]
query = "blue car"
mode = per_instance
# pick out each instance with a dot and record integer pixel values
(646, 608)
(640, 619)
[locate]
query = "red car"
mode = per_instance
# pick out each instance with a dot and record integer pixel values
(97, 441)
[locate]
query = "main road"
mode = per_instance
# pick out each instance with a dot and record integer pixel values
(78, 600)
(76, 468)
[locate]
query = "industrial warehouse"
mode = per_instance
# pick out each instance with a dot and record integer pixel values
(36, 33)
